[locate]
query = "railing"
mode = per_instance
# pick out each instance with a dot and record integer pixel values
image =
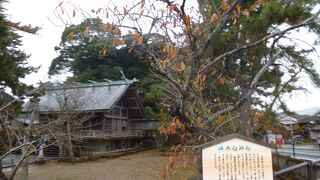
(310, 156)
(310, 165)
(298, 152)
(115, 134)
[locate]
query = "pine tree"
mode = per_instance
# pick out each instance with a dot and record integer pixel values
(240, 69)
(13, 61)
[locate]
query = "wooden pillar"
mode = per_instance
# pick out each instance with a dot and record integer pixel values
(120, 114)
(103, 122)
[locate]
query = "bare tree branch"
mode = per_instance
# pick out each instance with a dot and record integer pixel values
(280, 33)
(252, 89)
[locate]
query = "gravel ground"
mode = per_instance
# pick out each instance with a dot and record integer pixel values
(145, 165)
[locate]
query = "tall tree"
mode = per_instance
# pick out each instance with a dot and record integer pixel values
(96, 51)
(224, 62)
(241, 68)
(13, 66)
(94, 56)
(13, 61)
(221, 62)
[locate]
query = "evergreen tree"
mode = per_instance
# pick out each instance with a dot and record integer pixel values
(83, 55)
(85, 58)
(13, 66)
(13, 61)
(241, 68)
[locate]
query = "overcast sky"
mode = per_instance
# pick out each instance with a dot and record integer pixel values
(41, 46)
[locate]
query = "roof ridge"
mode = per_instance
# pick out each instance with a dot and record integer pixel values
(93, 84)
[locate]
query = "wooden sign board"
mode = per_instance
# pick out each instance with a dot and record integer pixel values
(235, 157)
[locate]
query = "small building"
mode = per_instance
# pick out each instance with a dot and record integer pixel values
(110, 114)
(289, 123)
(313, 126)
(306, 123)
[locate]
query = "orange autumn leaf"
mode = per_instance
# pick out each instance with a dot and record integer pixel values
(140, 40)
(109, 26)
(161, 66)
(115, 41)
(174, 52)
(224, 6)
(188, 21)
(104, 27)
(219, 118)
(85, 32)
(245, 12)
(164, 49)
(162, 175)
(214, 18)
(171, 51)
(222, 80)
(123, 41)
(70, 36)
(103, 52)
(136, 35)
(116, 30)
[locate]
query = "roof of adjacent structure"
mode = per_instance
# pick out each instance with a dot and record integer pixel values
(309, 119)
(288, 120)
(81, 97)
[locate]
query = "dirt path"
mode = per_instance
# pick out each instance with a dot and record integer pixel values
(145, 165)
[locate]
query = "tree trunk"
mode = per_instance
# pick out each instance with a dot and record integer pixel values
(2, 176)
(24, 164)
(245, 110)
(60, 150)
(70, 146)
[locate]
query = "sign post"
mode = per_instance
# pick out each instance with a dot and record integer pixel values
(236, 157)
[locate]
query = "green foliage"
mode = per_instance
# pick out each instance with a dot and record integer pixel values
(267, 121)
(149, 112)
(242, 67)
(12, 60)
(83, 57)
(152, 91)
